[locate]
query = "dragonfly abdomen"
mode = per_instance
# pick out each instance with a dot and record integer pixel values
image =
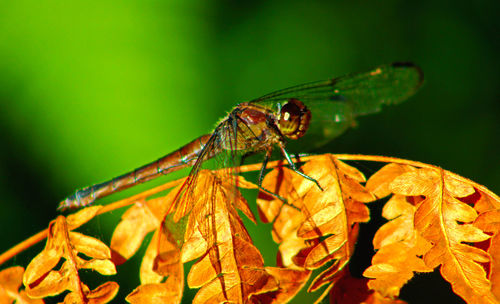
(184, 157)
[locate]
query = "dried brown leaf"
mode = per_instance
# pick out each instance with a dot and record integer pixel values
(331, 274)
(290, 282)
(154, 293)
(139, 220)
(81, 217)
(40, 280)
(317, 226)
(489, 221)
(379, 183)
(433, 221)
(102, 294)
(332, 214)
(443, 220)
(231, 269)
(10, 282)
(147, 273)
(483, 201)
(286, 218)
(400, 248)
(162, 260)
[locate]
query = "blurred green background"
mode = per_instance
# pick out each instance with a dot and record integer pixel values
(91, 89)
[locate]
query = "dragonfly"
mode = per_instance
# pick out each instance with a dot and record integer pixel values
(310, 114)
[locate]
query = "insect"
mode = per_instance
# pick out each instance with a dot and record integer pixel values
(312, 114)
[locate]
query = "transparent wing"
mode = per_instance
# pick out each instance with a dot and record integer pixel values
(198, 193)
(335, 103)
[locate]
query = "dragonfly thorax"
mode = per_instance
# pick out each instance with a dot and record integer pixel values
(250, 127)
(294, 118)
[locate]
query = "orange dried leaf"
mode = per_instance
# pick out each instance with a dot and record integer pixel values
(213, 206)
(400, 248)
(139, 220)
(286, 218)
(41, 280)
(242, 204)
(154, 293)
(235, 277)
(490, 222)
(89, 246)
(194, 247)
(379, 183)
(168, 262)
(102, 294)
(160, 262)
(10, 281)
(433, 221)
(485, 201)
(442, 219)
(326, 250)
(341, 201)
(336, 269)
(290, 282)
(332, 214)
(81, 217)
(326, 218)
(104, 266)
(231, 269)
(147, 273)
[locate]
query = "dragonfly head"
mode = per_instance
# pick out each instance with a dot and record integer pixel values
(294, 118)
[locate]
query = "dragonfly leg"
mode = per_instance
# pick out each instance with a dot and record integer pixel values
(261, 174)
(295, 169)
(275, 195)
(263, 168)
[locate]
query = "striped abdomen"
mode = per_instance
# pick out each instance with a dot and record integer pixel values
(181, 158)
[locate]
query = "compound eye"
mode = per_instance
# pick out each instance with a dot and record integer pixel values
(294, 119)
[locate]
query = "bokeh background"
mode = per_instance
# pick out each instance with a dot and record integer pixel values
(91, 89)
